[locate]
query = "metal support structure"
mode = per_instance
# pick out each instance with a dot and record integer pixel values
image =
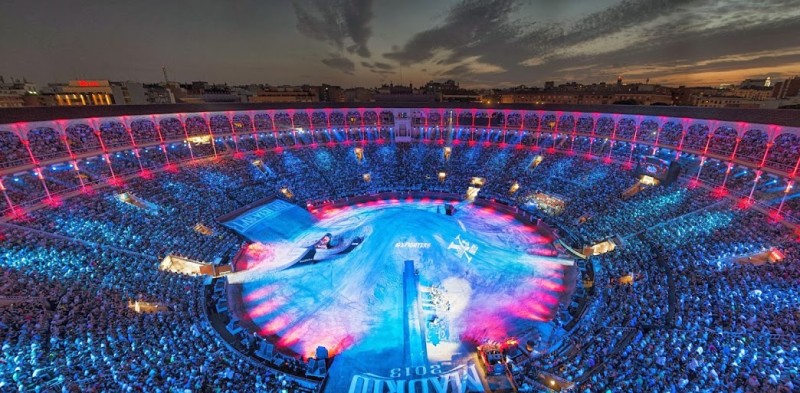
(613, 137)
(105, 154)
(211, 133)
(789, 187)
(658, 135)
(700, 168)
(127, 126)
(472, 129)
(684, 131)
(186, 134)
(72, 156)
(5, 195)
(753, 189)
(161, 138)
(253, 128)
(235, 136)
(727, 174)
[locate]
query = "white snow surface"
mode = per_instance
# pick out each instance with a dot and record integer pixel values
(353, 304)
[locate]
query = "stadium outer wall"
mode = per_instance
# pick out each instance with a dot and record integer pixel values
(36, 142)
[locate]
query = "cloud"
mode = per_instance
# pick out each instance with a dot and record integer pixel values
(472, 66)
(735, 45)
(378, 67)
(470, 24)
(533, 61)
(340, 63)
(382, 66)
(381, 72)
(493, 41)
(344, 24)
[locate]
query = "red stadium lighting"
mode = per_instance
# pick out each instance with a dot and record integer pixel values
(17, 213)
(744, 203)
(775, 217)
(54, 201)
(116, 182)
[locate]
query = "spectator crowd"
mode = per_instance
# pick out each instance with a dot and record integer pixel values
(675, 308)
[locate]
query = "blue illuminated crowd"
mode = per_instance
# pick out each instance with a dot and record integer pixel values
(80, 334)
(690, 319)
(730, 326)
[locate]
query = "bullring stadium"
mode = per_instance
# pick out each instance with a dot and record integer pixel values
(445, 248)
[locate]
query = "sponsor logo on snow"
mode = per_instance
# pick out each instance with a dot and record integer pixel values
(431, 379)
(463, 248)
(243, 223)
(411, 245)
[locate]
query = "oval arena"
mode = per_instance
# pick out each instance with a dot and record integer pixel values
(451, 248)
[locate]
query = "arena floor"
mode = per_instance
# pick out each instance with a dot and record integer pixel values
(403, 291)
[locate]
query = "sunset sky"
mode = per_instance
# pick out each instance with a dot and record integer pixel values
(479, 43)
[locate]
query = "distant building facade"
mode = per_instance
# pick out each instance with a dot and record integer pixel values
(328, 93)
(86, 92)
(359, 94)
(12, 94)
(100, 92)
(284, 94)
(787, 88)
(750, 93)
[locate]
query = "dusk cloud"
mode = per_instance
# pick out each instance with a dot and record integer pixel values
(340, 63)
(479, 43)
(345, 24)
(628, 37)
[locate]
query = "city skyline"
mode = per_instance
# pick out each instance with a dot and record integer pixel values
(498, 43)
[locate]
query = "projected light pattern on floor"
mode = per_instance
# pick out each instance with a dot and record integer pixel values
(480, 276)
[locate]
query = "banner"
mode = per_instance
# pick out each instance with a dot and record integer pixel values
(274, 220)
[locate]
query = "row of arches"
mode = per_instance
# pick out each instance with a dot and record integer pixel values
(43, 182)
(757, 145)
